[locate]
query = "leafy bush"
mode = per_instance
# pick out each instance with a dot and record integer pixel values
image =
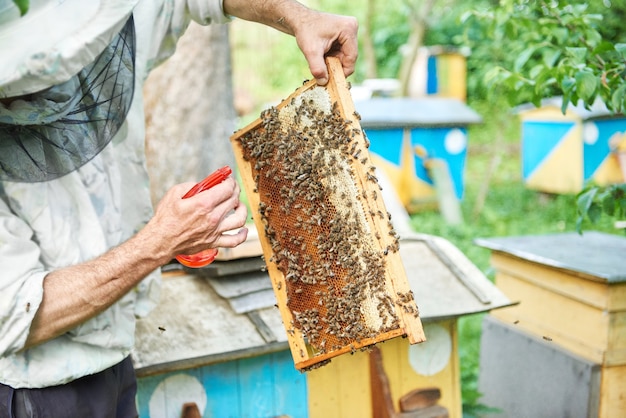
(594, 201)
(543, 48)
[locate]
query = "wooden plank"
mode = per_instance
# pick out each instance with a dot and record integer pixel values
(228, 269)
(330, 248)
(404, 378)
(612, 392)
(577, 326)
(340, 389)
(570, 285)
(616, 348)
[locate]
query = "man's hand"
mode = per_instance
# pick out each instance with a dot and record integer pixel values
(201, 221)
(322, 34)
(318, 34)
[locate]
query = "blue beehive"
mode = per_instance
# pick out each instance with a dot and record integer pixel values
(404, 133)
(560, 152)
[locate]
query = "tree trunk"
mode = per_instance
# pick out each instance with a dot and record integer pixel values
(189, 110)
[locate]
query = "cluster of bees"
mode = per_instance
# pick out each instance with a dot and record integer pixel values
(314, 210)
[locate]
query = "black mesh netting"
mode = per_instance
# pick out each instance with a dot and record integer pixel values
(53, 132)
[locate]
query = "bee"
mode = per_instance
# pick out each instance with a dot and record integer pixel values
(372, 177)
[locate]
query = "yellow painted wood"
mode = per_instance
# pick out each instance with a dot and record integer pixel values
(394, 174)
(612, 392)
(549, 113)
(342, 388)
(578, 327)
(616, 347)
(562, 170)
(551, 178)
(455, 73)
(609, 171)
(408, 187)
(404, 379)
(578, 312)
(415, 190)
(584, 288)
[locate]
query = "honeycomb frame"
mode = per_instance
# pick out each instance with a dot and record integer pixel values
(327, 238)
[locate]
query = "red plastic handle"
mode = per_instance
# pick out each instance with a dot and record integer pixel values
(206, 257)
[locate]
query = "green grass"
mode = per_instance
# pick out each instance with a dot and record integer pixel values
(509, 208)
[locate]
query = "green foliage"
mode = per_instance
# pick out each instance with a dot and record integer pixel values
(594, 201)
(390, 33)
(22, 5)
(542, 48)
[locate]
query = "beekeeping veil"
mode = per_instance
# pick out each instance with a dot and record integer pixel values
(66, 83)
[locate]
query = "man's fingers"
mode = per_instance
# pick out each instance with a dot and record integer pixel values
(230, 239)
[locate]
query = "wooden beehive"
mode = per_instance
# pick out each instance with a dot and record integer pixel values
(328, 241)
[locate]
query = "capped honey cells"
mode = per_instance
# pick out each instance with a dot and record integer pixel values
(329, 244)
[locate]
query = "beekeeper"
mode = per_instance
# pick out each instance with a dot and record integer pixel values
(80, 246)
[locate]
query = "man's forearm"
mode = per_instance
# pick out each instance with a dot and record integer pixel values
(77, 293)
(74, 294)
(318, 34)
(279, 14)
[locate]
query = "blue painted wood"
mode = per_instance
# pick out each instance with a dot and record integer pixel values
(432, 83)
(596, 150)
(262, 386)
(222, 388)
(433, 140)
(386, 143)
(539, 139)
